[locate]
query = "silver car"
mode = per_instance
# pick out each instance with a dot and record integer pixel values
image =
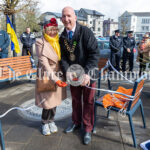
(104, 48)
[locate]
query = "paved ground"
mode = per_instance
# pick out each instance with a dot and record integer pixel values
(21, 134)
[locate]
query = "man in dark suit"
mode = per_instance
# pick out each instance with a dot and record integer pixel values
(4, 43)
(115, 46)
(79, 46)
(27, 39)
(128, 53)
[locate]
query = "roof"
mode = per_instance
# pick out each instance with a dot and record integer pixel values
(81, 18)
(92, 12)
(140, 14)
(58, 15)
(111, 21)
(76, 12)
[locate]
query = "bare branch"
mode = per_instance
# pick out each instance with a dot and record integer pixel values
(14, 6)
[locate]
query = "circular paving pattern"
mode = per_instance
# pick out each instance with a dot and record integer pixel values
(34, 114)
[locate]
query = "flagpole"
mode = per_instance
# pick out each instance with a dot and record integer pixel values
(14, 25)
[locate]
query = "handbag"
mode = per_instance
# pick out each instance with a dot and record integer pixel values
(45, 85)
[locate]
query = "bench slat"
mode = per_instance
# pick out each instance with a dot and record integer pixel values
(140, 85)
(16, 70)
(14, 62)
(14, 58)
(102, 63)
(22, 73)
(15, 66)
(22, 66)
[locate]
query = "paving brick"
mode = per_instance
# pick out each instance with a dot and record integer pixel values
(43, 143)
(19, 133)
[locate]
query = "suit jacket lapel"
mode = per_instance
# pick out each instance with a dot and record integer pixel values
(49, 52)
(77, 32)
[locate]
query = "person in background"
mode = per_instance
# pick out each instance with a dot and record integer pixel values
(27, 39)
(115, 44)
(128, 51)
(144, 53)
(49, 56)
(4, 43)
(79, 47)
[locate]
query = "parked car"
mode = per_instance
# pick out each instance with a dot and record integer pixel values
(104, 48)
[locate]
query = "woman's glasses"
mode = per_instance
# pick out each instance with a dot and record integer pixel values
(53, 30)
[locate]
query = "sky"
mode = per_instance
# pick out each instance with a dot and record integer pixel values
(110, 8)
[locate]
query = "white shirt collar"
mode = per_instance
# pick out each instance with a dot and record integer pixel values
(73, 30)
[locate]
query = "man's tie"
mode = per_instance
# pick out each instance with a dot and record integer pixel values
(70, 35)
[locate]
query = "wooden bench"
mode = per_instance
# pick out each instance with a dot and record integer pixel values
(16, 67)
(102, 63)
(131, 107)
(102, 70)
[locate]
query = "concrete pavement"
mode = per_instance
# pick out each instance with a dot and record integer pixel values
(23, 134)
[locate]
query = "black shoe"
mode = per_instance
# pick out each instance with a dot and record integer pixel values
(87, 138)
(72, 128)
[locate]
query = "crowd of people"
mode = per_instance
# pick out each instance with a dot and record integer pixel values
(129, 46)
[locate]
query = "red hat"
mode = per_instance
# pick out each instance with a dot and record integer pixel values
(52, 22)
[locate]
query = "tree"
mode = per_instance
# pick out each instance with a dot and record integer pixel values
(29, 15)
(10, 7)
(30, 19)
(124, 27)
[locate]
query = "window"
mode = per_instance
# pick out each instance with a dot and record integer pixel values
(91, 28)
(106, 45)
(103, 45)
(99, 29)
(145, 21)
(90, 22)
(142, 28)
(100, 45)
(145, 28)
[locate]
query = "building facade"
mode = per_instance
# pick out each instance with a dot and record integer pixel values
(109, 26)
(94, 20)
(139, 22)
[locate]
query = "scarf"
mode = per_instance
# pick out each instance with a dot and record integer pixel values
(54, 42)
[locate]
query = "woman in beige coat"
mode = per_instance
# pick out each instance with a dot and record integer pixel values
(49, 55)
(144, 53)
